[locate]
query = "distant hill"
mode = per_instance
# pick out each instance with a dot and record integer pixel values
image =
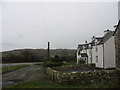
(33, 55)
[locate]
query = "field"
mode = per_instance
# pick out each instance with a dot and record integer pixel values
(6, 69)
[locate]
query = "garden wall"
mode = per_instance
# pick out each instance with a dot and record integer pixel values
(74, 67)
(80, 77)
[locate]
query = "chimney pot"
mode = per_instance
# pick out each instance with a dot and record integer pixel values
(106, 31)
(85, 42)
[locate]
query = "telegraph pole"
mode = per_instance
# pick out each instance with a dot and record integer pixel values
(48, 50)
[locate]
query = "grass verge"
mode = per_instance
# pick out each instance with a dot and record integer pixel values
(38, 64)
(69, 63)
(39, 84)
(7, 69)
(46, 83)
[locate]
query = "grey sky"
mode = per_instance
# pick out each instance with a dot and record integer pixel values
(64, 24)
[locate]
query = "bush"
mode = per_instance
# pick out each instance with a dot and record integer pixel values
(52, 64)
(53, 61)
(82, 60)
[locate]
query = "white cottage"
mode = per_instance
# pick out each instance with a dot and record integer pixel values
(93, 44)
(105, 55)
(100, 51)
(82, 50)
(87, 51)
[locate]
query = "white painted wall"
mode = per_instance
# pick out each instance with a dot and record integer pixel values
(78, 56)
(99, 64)
(109, 53)
(84, 51)
(88, 55)
(93, 54)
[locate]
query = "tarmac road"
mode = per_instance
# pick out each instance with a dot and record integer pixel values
(33, 72)
(13, 64)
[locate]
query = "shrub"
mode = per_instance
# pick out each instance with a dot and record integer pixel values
(50, 63)
(82, 60)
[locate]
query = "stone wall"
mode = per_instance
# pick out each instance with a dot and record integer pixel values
(81, 77)
(117, 46)
(74, 67)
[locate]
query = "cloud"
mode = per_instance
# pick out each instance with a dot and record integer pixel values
(59, 0)
(21, 36)
(63, 24)
(7, 44)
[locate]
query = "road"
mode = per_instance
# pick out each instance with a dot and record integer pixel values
(33, 72)
(13, 64)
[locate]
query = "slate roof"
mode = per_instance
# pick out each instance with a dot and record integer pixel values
(117, 27)
(99, 38)
(80, 46)
(107, 37)
(84, 55)
(93, 41)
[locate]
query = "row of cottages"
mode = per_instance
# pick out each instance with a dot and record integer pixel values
(100, 51)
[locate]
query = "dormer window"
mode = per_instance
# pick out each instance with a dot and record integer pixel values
(90, 46)
(96, 42)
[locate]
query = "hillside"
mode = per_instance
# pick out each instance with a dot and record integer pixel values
(32, 55)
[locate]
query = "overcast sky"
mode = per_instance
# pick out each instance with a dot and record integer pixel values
(63, 24)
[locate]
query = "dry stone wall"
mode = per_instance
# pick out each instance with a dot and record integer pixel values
(80, 77)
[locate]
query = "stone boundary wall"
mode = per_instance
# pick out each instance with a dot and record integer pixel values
(80, 77)
(73, 67)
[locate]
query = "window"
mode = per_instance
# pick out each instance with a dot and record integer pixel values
(90, 59)
(96, 58)
(79, 52)
(96, 48)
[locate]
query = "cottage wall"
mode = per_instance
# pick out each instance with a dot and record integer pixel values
(78, 56)
(109, 53)
(93, 54)
(88, 53)
(99, 64)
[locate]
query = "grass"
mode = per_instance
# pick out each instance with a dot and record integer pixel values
(6, 69)
(45, 83)
(39, 84)
(38, 64)
(69, 63)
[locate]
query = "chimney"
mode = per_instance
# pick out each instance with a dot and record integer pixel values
(115, 26)
(106, 31)
(93, 38)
